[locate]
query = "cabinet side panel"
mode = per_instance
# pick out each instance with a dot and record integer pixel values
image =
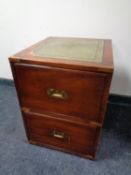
(18, 93)
(103, 107)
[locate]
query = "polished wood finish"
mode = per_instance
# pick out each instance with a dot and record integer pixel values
(71, 122)
(37, 80)
(76, 137)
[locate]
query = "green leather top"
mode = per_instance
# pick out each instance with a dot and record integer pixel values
(71, 48)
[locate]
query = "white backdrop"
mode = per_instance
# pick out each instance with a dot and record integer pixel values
(24, 22)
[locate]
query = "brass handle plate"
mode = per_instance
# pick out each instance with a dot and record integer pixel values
(59, 135)
(55, 93)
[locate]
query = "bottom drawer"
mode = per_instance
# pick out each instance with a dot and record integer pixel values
(64, 135)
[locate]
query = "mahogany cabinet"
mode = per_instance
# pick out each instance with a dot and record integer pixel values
(63, 86)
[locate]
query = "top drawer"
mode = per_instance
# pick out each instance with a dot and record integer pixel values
(64, 91)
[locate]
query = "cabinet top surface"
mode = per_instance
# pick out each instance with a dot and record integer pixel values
(71, 49)
(81, 53)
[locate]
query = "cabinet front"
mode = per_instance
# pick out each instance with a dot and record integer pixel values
(64, 91)
(62, 134)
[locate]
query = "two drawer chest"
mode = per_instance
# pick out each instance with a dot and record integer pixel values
(62, 86)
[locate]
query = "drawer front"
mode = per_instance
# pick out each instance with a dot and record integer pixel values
(64, 91)
(61, 134)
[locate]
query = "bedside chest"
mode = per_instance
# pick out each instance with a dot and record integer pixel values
(63, 86)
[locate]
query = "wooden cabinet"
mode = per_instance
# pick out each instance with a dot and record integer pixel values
(62, 86)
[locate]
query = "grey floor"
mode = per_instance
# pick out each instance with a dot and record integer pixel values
(17, 157)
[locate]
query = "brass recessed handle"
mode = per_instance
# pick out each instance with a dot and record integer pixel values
(58, 134)
(56, 93)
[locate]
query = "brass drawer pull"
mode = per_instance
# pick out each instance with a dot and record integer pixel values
(55, 93)
(58, 134)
